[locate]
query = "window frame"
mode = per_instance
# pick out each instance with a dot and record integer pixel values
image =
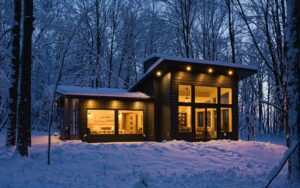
(143, 120)
(193, 104)
(106, 109)
(217, 94)
(116, 125)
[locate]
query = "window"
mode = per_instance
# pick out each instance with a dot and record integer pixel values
(184, 93)
(226, 96)
(101, 121)
(184, 119)
(206, 94)
(226, 120)
(130, 122)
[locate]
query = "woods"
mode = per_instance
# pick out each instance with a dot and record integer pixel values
(101, 43)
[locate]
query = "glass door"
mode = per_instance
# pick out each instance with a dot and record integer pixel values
(206, 123)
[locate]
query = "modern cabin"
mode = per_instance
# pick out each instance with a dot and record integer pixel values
(176, 98)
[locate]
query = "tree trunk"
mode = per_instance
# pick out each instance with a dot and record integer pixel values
(98, 46)
(13, 91)
(231, 30)
(294, 64)
(24, 110)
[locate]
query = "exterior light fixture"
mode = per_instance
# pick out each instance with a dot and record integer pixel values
(188, 68)
(158, 73)
(210, 70)
(230, 72)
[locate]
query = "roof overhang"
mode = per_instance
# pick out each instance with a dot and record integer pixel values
(165, 63)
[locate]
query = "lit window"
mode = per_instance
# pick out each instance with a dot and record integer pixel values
(184, 93)
(184, 119)
(206, 123)
(226, 120)
(211, 123)
(130, 122)
(200, 122)
(206, 94)
(226, 96)
(101, 121)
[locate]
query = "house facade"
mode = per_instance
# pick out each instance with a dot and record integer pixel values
(176, 98)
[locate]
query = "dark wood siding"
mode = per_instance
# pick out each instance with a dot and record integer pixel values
(146, 106)
(165, 93)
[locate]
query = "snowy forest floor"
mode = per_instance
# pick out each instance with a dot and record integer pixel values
(221, 163)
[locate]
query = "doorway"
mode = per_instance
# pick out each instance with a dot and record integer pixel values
(205, 123)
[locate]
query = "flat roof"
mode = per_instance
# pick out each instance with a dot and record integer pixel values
(157, 62)
(99, 92)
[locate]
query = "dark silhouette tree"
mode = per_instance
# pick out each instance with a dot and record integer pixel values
(15, 60)
(24, 108)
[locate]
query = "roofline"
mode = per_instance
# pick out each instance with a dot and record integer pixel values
(106, 97)
(147, 74)
(202, 61)
(163, 57)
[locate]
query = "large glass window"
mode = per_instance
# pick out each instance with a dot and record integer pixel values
(206, 94)
(184, 93)
(101, 121)
(226, 120)
(226, 96)
(184, 119)
(130, 122)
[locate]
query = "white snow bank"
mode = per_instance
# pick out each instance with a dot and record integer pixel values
(220, 163)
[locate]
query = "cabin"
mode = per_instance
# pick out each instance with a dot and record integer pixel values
(176, 98)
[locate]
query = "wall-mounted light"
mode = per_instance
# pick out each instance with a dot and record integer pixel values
(230, 72)
(158, 73)
(210, 70)
(188, 68)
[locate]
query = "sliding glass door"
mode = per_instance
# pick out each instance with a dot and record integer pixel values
(206, 123)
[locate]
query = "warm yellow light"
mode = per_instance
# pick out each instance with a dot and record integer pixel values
(230, 72)
(210, 70)
(188, 68)
(89, 115)
(158, 73)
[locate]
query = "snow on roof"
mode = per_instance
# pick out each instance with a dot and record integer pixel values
(99, 92)
(200, 61)
(157, 59)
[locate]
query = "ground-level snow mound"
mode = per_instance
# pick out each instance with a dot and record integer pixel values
(220, 163)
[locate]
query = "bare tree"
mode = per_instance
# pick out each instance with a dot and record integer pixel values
(181, 15)
(24, 107)
(15, 60)
(294, 63)
(231, 29)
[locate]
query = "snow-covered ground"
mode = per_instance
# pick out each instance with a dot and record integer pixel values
(220, 163)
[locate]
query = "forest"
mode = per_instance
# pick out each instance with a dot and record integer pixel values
(101, 44)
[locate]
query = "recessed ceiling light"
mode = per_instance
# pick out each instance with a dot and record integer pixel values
(158, 73)
(210, 70)
(230, 72)
(188, 68)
